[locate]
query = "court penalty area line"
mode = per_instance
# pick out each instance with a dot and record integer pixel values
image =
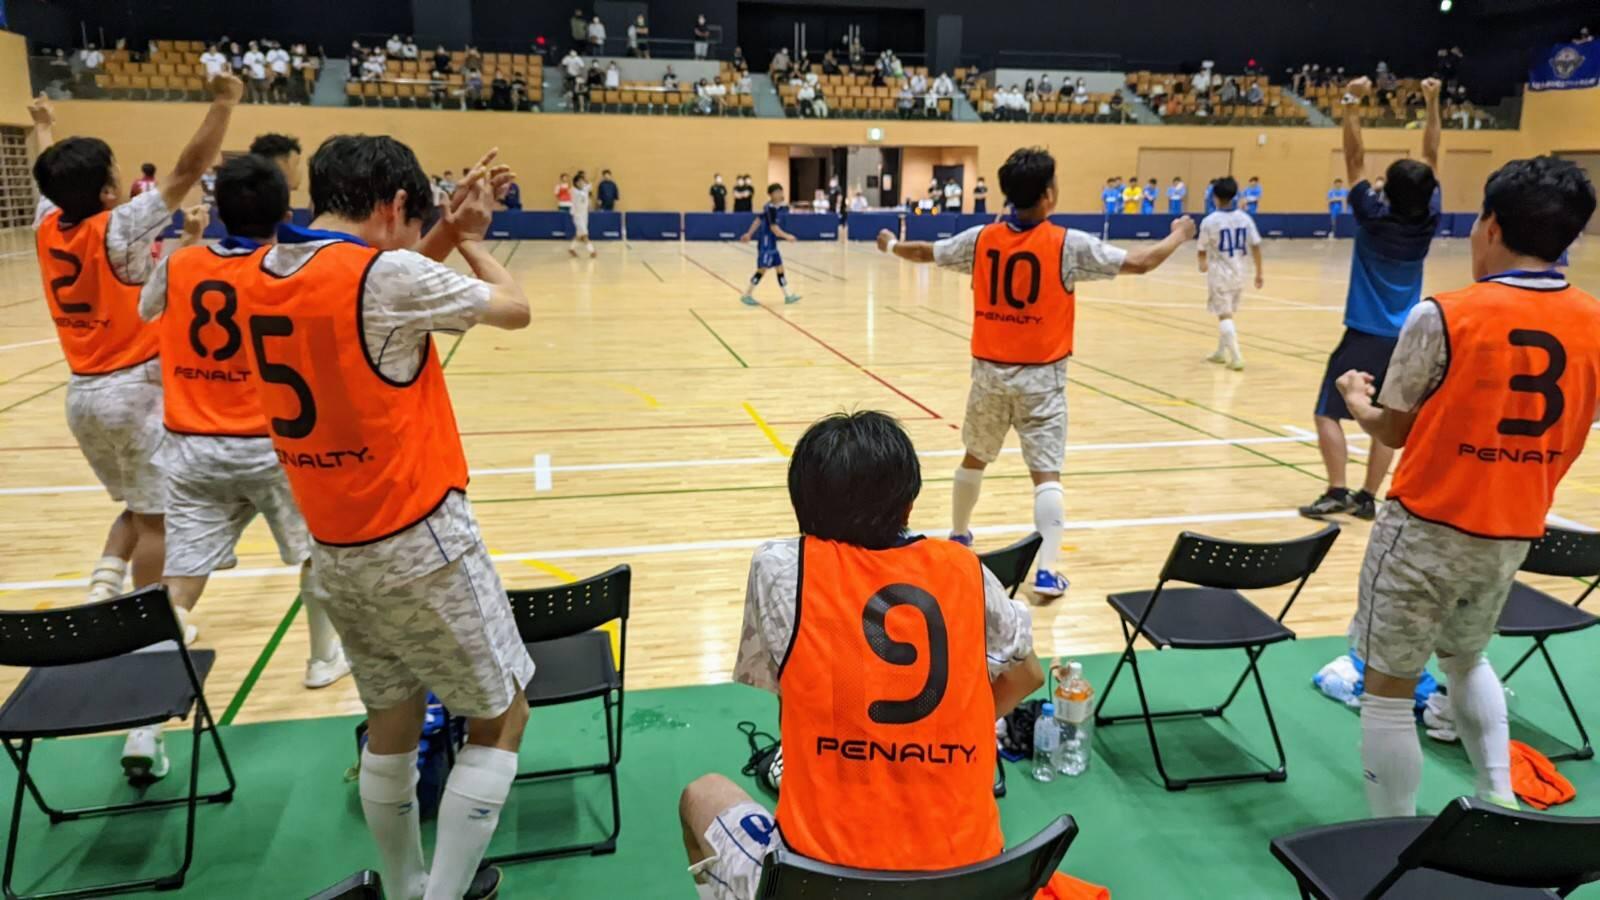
(260, 666)
(767, 430)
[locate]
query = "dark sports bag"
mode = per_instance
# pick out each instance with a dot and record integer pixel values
(442, 735)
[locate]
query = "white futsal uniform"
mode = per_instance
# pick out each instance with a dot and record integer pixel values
(580, 212)
(1226, 237)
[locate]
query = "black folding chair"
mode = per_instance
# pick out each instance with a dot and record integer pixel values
(1014, 564)
(1013, 875)
(363, 885)
(1214, 616)
(560, 626)
(1532, 613)
(1470, 851)
(84, 678)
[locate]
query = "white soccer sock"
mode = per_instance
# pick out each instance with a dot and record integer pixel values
(1229, 338)
(1391, 755)
(388, 788)
(108, 578)
(1049, 518)
(963, 497)
(468, 814)
(1478, 702)
(324, 638)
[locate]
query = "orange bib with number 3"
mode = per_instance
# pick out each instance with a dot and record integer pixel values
(1022, 312)
(887, 715)
(1512, 413)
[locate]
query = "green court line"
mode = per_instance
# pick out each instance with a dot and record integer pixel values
(1300, 354)
(719, 338)
(261, 664)
(452, 354)
(6, 409)
(21, 375)
(653, 271)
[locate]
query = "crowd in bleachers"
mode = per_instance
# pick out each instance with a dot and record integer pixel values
(1041, 100)
(398, 73)
(178, 70)
(845, 84)
(1394, 100)
(1209, 96)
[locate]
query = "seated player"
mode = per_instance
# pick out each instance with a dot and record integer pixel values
(1227, 236)
(93, 256)
(818, 617)
(1020, 349)
(1492, 392)
(768, 230)
(220, 465)
(361, 419)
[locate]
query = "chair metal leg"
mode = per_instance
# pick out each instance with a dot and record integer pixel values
(1585, 751)
(16, 811)
(1518, 664)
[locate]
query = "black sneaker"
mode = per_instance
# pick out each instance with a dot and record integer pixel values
(485, 884)
(1332, 502)
(1366, 506)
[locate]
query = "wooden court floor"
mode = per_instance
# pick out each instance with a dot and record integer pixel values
(645, 417)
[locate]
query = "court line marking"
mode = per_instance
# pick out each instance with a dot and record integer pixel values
(1203, 287)
(654, 272)
(541, 472)
(262, 659)
(719, 339)
(859, 367)
(5, 347)
(1564, 522)
(644, 465)
(766, 429)
(1310, 435)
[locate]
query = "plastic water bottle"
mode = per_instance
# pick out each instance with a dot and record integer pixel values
(1076, 715)
(1046, 744)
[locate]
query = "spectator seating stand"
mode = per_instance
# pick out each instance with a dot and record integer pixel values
(173, 72)
(409, 82)
(1178, 103)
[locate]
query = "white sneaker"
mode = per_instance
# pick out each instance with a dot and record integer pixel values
(1236, 364)
(144, 756)
(1218, 357)
(322, 672)
(190, 631)
(593, 253)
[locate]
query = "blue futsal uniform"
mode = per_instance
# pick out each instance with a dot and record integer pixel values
(1252, 198)
(1211, 199)
(767, 256)
(1148, 207)
(1111, 200)
(1175, 197)
(1336, 197)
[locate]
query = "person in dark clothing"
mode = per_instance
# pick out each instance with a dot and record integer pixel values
(719, 195)
(513, 198)
(609, 194)
(743, 195)
(500, 92)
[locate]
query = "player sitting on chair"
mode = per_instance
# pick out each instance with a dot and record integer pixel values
(1020, 347)
(818, 620)
(1492, 392)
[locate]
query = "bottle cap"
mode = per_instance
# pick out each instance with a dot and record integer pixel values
(1075, 669)
(1048, 709)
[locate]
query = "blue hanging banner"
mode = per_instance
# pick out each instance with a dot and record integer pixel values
(1566, 66)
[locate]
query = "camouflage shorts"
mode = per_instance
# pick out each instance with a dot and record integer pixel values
(1039, 418)
(449, 631)
(118, 428)
(1426, 587)
(207, 516)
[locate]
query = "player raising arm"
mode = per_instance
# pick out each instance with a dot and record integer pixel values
(1025, 270)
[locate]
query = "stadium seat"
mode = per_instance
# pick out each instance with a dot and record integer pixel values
(562, 629)
(1532, 613)
(1016, 874)
(1470, 851)
(1213, 615)
(84, 677)
(1013, 564)
(352, 93)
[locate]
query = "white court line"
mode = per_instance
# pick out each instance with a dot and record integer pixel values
(1312, 437)
(1167, 305)
(537, 468)
(4, 347)
(1564, 522)
(541, 472)
(732, 544)
(1202, 287)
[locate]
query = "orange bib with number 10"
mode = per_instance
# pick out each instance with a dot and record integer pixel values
(1022, 311)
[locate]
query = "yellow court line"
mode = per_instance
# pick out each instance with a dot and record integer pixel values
(649, 399)
(767, 430)
(549, 569)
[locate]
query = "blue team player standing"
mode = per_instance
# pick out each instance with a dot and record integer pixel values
(1211, 199)
(768, 230)
(1336, 199)
(1151, 194)
(1252, 196)
(1175, 197)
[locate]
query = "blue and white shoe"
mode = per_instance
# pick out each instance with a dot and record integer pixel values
(1049, 584)
(791, 298)
(964, 540)
(748, 300)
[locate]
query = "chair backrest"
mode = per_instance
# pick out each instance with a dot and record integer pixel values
(545, 614)
(1489, 843)
(1565, 552)
(1240, 565)
(80, 634)
(1013, 875)
(1013, 564)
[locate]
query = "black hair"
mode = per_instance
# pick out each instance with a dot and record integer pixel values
(352, 174)
(274, 146)
(773, 187)
(149, 170)
(604, 172)
(72, 173)
(1027, 173)
(1409, 185)
(252, 196)
(1255, 178)
(1541, 205)
(853, 478)
(1224, 189)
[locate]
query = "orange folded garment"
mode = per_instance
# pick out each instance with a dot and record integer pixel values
(1535, 779)
(1065, 887)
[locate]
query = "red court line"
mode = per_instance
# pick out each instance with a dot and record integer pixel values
(685, 426)
(696, 262)
(863, 369)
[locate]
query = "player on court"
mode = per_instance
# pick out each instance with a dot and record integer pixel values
(768, 231)
(1492, 392)
(93, 256)
(1024, 272)
(579, 197)
(1227, 237)
(219, 462)
(362, 422)
(814, 633)
(1336, 205)
(1394, 231)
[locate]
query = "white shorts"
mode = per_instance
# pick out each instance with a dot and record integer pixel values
(1039, 418)
(449, 631)
(742, 836)
(1223, 303)
(1427, 587)
(206, 517)
(118, 428)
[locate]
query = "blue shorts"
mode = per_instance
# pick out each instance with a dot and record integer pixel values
(767, 256)
(1360, 351)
